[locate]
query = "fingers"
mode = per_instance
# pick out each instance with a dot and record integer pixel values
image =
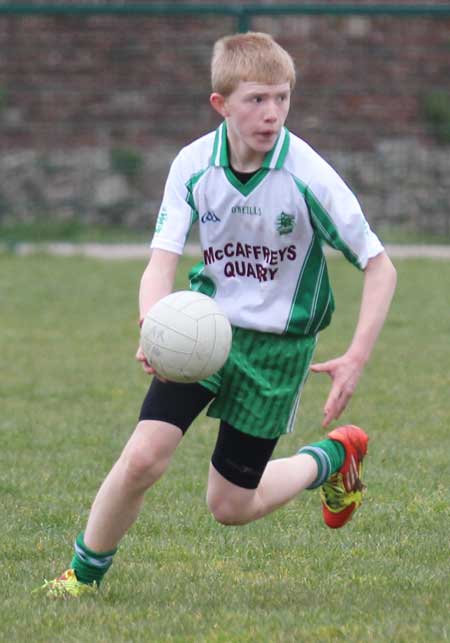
(323, 367)
(146, 366)
(336, 403)
(344, 373)
(333, 410)
(140, 357)
(330, 410)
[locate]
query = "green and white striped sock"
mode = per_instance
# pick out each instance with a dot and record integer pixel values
(329, 455)
(90, 566)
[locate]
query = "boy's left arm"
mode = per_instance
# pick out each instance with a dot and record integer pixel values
(380, 279)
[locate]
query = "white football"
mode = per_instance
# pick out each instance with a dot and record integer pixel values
(186, 337)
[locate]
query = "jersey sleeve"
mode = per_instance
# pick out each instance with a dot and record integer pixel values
(338, 219)
(175, 214)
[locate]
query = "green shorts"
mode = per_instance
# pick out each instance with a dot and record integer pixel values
(258, 389)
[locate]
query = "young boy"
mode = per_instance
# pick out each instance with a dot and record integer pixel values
(264, 202)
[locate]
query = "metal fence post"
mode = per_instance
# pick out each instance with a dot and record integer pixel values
(244, 19)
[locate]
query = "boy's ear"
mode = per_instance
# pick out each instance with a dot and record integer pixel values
(218, 102)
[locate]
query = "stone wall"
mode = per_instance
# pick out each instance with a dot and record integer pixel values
(399, 183)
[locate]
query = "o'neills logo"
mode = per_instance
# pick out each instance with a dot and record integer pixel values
(246, 209)
(246, 260)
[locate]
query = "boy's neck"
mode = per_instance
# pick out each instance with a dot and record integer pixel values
(242, 158)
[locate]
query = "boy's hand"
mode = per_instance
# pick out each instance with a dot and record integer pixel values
(148, 368)
(345, 373)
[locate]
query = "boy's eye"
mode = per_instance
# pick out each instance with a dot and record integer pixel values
(259, 99)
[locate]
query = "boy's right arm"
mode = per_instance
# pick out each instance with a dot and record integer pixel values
(157, 281)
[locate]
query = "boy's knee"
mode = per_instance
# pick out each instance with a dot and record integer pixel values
(142, 469)
(144, 460)
(225, 511)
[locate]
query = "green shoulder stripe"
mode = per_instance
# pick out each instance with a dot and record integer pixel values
(323, 223)
(190, 185)
(313, 303)
(200, 282)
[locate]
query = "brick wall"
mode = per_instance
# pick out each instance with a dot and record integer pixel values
(71, 81)
(74, 89)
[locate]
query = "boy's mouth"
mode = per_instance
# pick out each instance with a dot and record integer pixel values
(266, 134)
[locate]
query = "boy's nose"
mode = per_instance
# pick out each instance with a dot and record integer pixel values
(271, 114)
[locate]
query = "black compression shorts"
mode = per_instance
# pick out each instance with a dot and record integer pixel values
(239, 457)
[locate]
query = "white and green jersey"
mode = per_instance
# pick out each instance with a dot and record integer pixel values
(262, 240)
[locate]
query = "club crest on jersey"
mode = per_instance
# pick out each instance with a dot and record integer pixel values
(285, 223)
(210, 217)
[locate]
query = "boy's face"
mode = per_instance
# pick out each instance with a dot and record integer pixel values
(255, 114)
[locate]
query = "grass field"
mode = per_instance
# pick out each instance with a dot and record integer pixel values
(43, 229)
(70, 391)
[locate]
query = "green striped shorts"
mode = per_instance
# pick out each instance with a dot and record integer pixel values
(258, 389)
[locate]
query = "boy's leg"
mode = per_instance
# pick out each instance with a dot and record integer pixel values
(243, 486)
(234, 498)
(142, 462)
(283, 479)
(116, 506)
(167, 412)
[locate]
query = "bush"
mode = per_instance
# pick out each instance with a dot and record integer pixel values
(437, 111)
(126, 161)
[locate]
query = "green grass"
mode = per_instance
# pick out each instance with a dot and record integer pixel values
(70, 391)
(43, 229)
(411, 235)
